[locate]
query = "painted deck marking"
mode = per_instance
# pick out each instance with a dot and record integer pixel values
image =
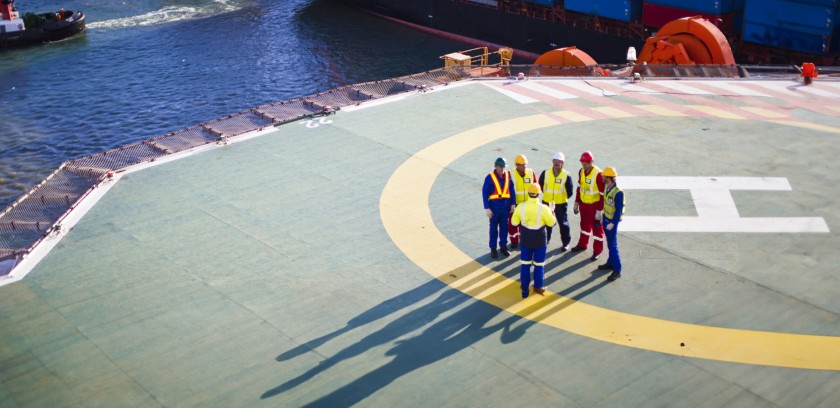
(545, 90)
(572, 116)
(716, 210)
(513, 95)
(764, 112)
(732, 87)
(584, 87)
(610, 111)
(676, 87)
(659, 110)
(413, 231)
(816, 91)
(806, 125)
(720, 113)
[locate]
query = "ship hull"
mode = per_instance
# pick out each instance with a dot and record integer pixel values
(489, 25)
(53, 31)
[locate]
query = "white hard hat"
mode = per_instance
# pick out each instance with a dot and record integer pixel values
(559, 156)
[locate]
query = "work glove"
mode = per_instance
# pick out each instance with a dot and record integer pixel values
(577, 208)
(610, 227)
(551, 205)
(513, 207)
(598, 216)
(489, 213)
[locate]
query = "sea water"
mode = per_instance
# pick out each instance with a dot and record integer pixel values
(145, 68)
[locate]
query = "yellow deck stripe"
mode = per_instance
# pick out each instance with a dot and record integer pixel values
(659, 110)
(572, 116)
(764, 112)
(720, 113)
(814, 126)
(412, 229)
(616, 113)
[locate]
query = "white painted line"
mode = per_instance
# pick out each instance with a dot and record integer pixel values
(787, 225)
(714, 204)
(631, 87)
(681, 87)
(733, 88)
(830, 85)
(779, 86)
(817, 89)
(585, 87)
(554, 93)
(716, 209)
(691, 183)
(510, 94)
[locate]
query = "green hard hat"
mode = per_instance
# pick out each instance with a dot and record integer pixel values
(501, 162)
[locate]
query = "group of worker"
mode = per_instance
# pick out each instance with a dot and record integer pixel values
(513, 198)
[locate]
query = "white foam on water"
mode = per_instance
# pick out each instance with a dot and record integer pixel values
(168, 14)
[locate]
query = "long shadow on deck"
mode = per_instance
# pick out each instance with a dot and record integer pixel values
(456, 331)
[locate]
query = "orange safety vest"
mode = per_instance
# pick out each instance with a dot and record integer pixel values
(500, 193)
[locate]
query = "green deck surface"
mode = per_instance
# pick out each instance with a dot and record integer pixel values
(260, 273)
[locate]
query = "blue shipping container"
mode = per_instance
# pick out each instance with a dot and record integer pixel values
(824, 3)
(835, 39)
(547, 3)
(788, 39)
(703, 6)
(791, 15)
(623, 10)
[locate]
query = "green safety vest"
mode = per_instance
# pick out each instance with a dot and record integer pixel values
(609, 203)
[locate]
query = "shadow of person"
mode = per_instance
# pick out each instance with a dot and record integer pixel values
(373, 314)
(409, 322)
(553, 275)
(444, 338)
(574, 294)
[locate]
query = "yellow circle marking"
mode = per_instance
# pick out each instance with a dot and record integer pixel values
(408, 220)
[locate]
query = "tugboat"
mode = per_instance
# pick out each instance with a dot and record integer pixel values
(36, 28)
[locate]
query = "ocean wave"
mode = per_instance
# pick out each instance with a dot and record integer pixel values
(168, 14)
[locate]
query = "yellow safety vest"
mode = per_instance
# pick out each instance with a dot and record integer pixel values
(589, 192)
(500, 193)
(521, 183)
(554, 187)
(530, 215)
(609, 203)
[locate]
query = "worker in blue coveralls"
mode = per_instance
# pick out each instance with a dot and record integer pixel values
(499, 196)
(613, 210)
(534, 218)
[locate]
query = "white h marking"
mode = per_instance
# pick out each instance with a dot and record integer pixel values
(716, 210)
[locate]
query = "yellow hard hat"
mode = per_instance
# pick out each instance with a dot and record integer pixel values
(534, 188)
(610, 171)
(521, 159)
